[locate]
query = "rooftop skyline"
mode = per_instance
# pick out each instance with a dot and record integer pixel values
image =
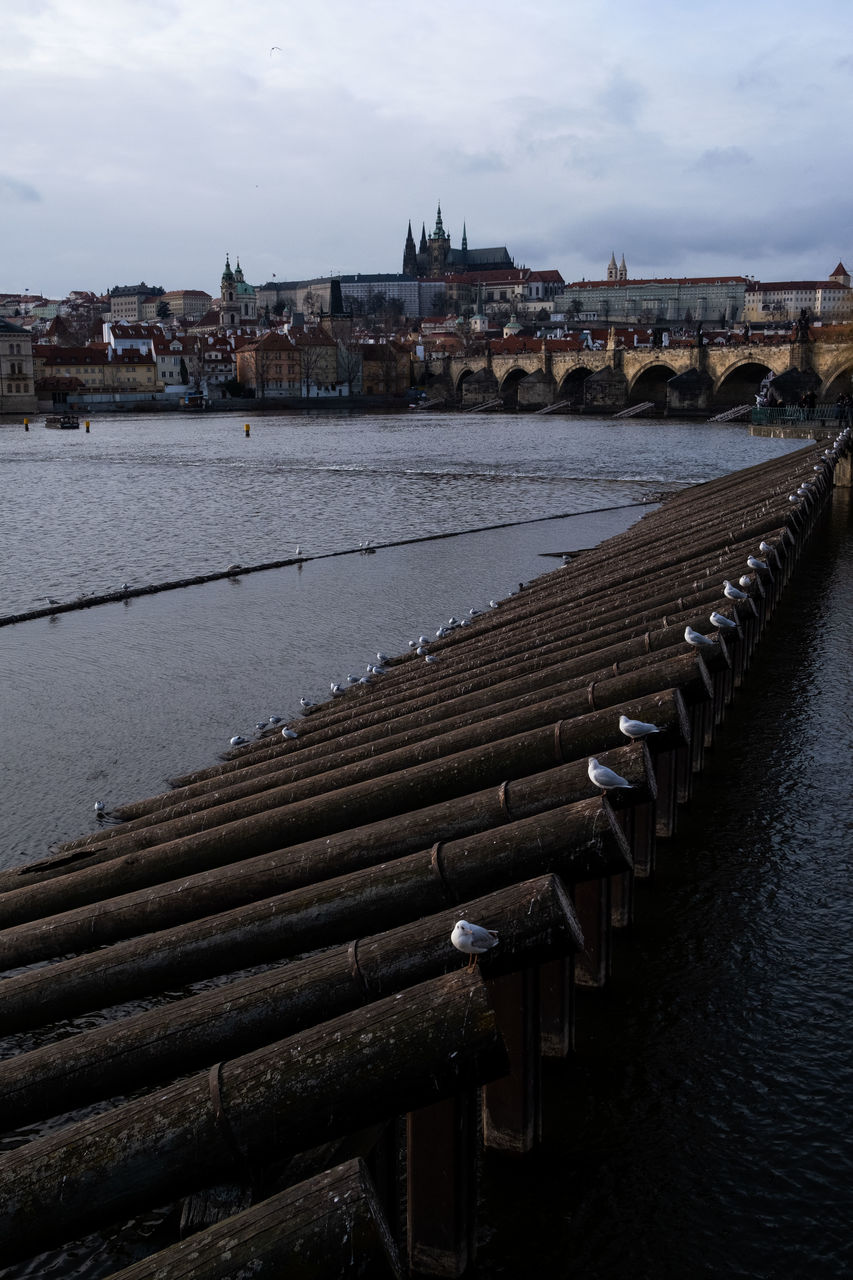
(144, 142)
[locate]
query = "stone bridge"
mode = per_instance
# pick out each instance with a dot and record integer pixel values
(675, 379)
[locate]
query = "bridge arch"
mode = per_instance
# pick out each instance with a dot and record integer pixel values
(459, 377)
(571, 385)
(839, 381)
(740, 382)
(650, 384)
(508, 385)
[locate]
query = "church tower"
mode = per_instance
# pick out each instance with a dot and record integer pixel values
(238, 304)
(623, 270)
(439, 247)
(410, 256)
(612, 269)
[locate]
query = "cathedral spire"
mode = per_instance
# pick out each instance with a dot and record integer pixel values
(423, 244)
(410, 255)
(438, 234)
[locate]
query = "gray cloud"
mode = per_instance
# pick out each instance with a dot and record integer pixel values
(12, 191)
(717, 159)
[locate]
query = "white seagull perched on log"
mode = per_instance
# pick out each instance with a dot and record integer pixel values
(287, 732)
(745, 580)
(99, 806)
(755, 563)
(765, 547)
(697, 639)
(720, 620)
(473, 940)
(732, 592)
(237, 741)
(605, 778)
(634, 729)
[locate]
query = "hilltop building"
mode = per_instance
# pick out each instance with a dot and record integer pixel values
(776, 300)
(435, 257)
(682, 300)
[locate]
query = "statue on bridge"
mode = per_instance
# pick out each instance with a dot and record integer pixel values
(801, 327)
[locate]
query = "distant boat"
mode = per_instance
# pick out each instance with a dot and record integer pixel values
(63, 421)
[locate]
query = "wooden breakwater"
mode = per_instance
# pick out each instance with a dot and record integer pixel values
(337, 1068)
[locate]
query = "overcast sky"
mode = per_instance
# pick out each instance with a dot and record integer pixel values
(141, 140)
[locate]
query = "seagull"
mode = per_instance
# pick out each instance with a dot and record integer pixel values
(275, 719)
(696, 638)
(493, 604)
(364, 680)
(336, 688)
(99, 806)
(298, 549)
(420, 651)
(351, 679)
(473, 613)
(720, 620)
(376, 671)
(473, 940)
(306, 704)
(792, 497)
(430, 657)
(765, 547)
(50, 600)
(289, 733)
(261, 724)
(382, 658)
(605, 778)
(756, 564)
(731, 592)
(745, 580)
(276, 49)
(237, 740)
(452, 622)
(442, 632)
(636, 728)
(423, 639)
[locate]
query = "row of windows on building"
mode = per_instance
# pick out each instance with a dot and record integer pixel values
(17, 388)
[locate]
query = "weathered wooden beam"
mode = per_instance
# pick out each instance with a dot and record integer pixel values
(358, 1069)
(535, 922)
(330, 1227)
(576, 841)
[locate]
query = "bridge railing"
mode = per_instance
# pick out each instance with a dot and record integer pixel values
(767, 416)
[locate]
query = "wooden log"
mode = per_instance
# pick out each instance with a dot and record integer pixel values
(353, 1071)
(576, 841)
(535, 922)
(102, 873)
(328, 1227)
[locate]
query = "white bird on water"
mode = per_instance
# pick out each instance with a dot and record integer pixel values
(732, 592)
(636, 728)
(473, 940)
(99, 806)
(605, 778)
(720, 620)
(237, 740)
(697, 639)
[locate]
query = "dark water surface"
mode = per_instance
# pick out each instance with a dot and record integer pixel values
(702, 1127)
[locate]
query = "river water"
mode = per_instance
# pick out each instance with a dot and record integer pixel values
(700, 1128)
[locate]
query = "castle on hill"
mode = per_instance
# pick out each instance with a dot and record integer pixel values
(435, 257)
